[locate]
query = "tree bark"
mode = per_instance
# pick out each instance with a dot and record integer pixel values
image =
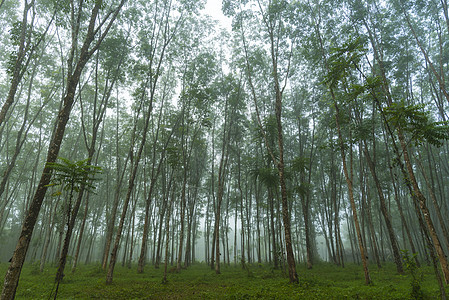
(131, 183)
(383, 208)
(13, 273)
(19, 69)
(351, 196)
(424, 209)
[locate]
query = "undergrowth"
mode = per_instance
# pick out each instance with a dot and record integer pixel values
(252, 281)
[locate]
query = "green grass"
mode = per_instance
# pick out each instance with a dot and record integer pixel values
(324, 281)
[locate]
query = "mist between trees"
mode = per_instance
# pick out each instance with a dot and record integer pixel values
(142, 132)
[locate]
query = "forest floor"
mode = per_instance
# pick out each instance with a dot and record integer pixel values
(324, 281)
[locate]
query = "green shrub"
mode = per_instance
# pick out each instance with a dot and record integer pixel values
(417, 276)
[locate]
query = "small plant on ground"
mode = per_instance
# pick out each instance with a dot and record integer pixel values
(35, 268)
(245, 267)
(71, 177)
(417, 276)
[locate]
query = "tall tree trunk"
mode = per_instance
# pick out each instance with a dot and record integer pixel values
(167, 234)
(51, 225)
(155, 171)
(242, 225)
(13, 273)
(274, 249)
(80, 236)
(182, 216)
(25, 53)
(413, 184)
(351, 195)
(221, 182)
(131, 183)
(398, 201)
(425, 211)
(159, 240)
(383, 208)
(370, 227)
(257, 195)
(217, 224)
(281, 170)
(97, 119)
(435, 202)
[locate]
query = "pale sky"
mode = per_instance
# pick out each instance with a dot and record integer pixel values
(213, 8)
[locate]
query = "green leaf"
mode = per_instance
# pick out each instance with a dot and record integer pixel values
(414, 120)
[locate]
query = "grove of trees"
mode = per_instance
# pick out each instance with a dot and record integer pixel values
(143, 133)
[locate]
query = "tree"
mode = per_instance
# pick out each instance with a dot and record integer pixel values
(72, 177)
(155, 47)
(276, 20)
(27, 41)
(336, 67)
(86, 51)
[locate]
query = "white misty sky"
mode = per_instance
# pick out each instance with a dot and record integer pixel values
(213, 8)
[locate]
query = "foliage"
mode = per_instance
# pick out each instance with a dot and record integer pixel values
(415, 120)
(269, 176)
(411, 118)
(72, 175)
(343, 59)
(416, 275)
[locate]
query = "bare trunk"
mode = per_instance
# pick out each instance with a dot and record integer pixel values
(182, 213)
(13, 273)
(274, 249)
(167, 236)
(80, 236)
(351, 197)
(383, 207)
(131, 183)
(425, 211)
(284, 198)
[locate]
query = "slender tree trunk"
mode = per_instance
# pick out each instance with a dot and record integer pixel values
(91, 148)
(131, 183)
(425, 211)
(351, 196)
(167, 235)
(159, 240)
(274, 249)
(242, 226)
(383, 208)
(207, 231)
(257, 195)
(51, 225)
(284, 198)
(217, 227)
(125, 249)
(13, 273)
(435, 203)
(248, 221)
(187, 255)
(131, 248)
(370, 227)
(412, 184)
(182, 216)
(155, 171)
(235, 232)
(398, 202)
(24, 50)
(80, 236)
